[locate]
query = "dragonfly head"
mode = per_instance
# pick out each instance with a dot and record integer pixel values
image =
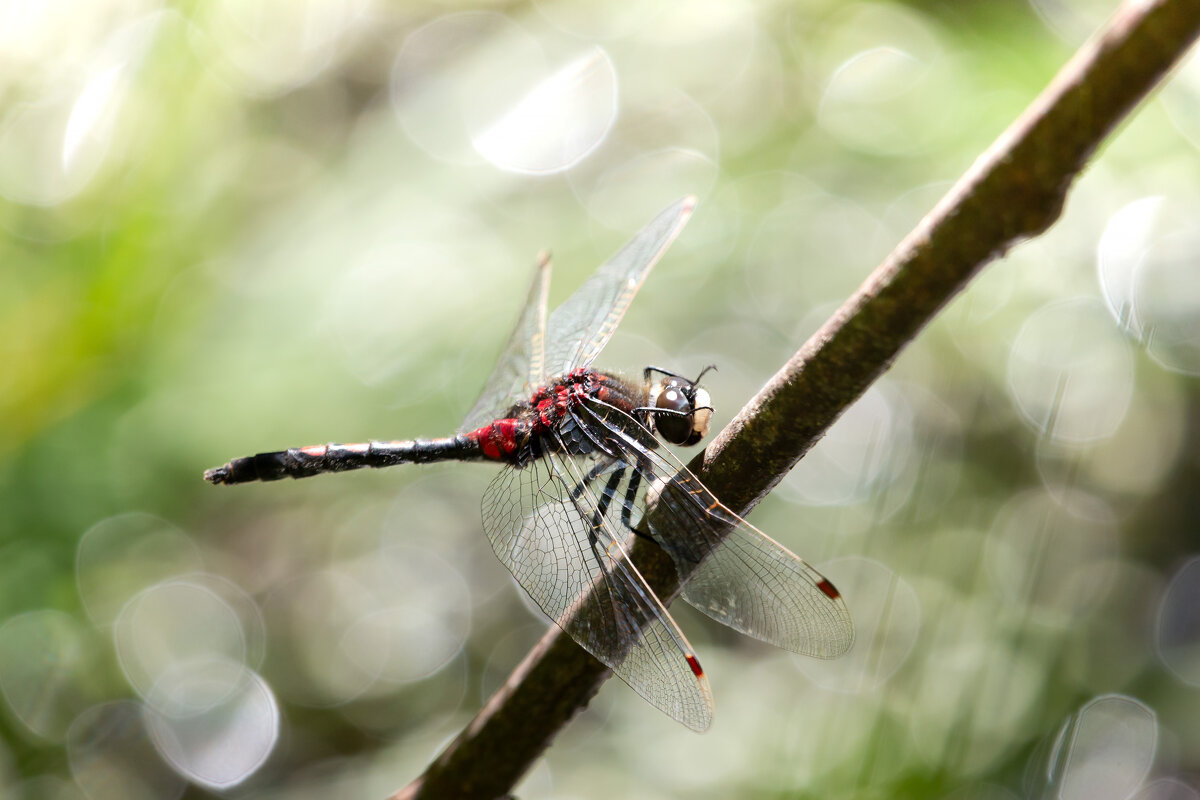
(682, 409)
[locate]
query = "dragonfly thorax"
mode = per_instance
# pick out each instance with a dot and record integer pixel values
(678, 410)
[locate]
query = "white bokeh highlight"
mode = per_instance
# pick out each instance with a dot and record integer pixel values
(112, 758)
(1147, 262)
(887, 618)
(664, 145)
(119, 556)
(364, 626)
(360, 309)
(170, 625)
(446, 87)
(883, 63)
(1105, 751)
(1070, 372)
(44, 665)
(226, 728)
(1167, 299)
(53, 146)
(558, 122)
(1177, 632)
(1053, 554)
(1118, 253)
(266, 48)
(1167, 789)
(861, 454)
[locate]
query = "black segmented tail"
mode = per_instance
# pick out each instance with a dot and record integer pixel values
(301, 462)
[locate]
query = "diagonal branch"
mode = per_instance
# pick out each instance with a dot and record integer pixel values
(1013, 192)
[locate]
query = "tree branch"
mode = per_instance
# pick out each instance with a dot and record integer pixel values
(1014, 191)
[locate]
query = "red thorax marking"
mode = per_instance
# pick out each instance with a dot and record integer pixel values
(498, 439)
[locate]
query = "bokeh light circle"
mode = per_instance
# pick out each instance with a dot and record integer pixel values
(447, 92)
(55, 143)
(880, 61)
(268, 48)
(1104, 751)
(558, 122)
(1167, 300)
(1146, 260)
(1177, 633)
(809, 250)
(123, 554)
(45, 666)
(974, 691)
(1118, 253)
(224, 730)
(1070, 372)
(325, 625)
(625, 196)
(859, 456)
(1052, 553)
(665, 146)
(112, 758)
(887, 619)
(171, 624)
(431, 254)
(421, 617)
(1167, 789)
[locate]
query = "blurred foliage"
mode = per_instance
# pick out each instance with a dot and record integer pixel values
(228, 227)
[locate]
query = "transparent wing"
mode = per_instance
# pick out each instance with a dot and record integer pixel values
(744, 579)
(522, 365)
(578, 329)
(551, 525)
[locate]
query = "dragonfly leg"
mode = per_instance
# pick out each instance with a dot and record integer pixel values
(593, 473)
(635, 481)
(601, 507)
(606, 496)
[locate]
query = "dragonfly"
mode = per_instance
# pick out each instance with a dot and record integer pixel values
(584, 467)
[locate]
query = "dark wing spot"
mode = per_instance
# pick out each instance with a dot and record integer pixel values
(829, 589)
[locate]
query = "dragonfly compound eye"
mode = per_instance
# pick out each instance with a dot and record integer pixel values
(677, 427)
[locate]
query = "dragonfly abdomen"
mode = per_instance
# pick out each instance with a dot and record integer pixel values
(302, 462)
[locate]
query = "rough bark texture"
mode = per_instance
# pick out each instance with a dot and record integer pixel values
(1014, 191)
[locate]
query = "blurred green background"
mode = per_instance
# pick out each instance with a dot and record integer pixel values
(228, 227)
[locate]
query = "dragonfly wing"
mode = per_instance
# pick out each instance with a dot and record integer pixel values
(552, 529)
(739, 576)
(522, 365)
(578, 329)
